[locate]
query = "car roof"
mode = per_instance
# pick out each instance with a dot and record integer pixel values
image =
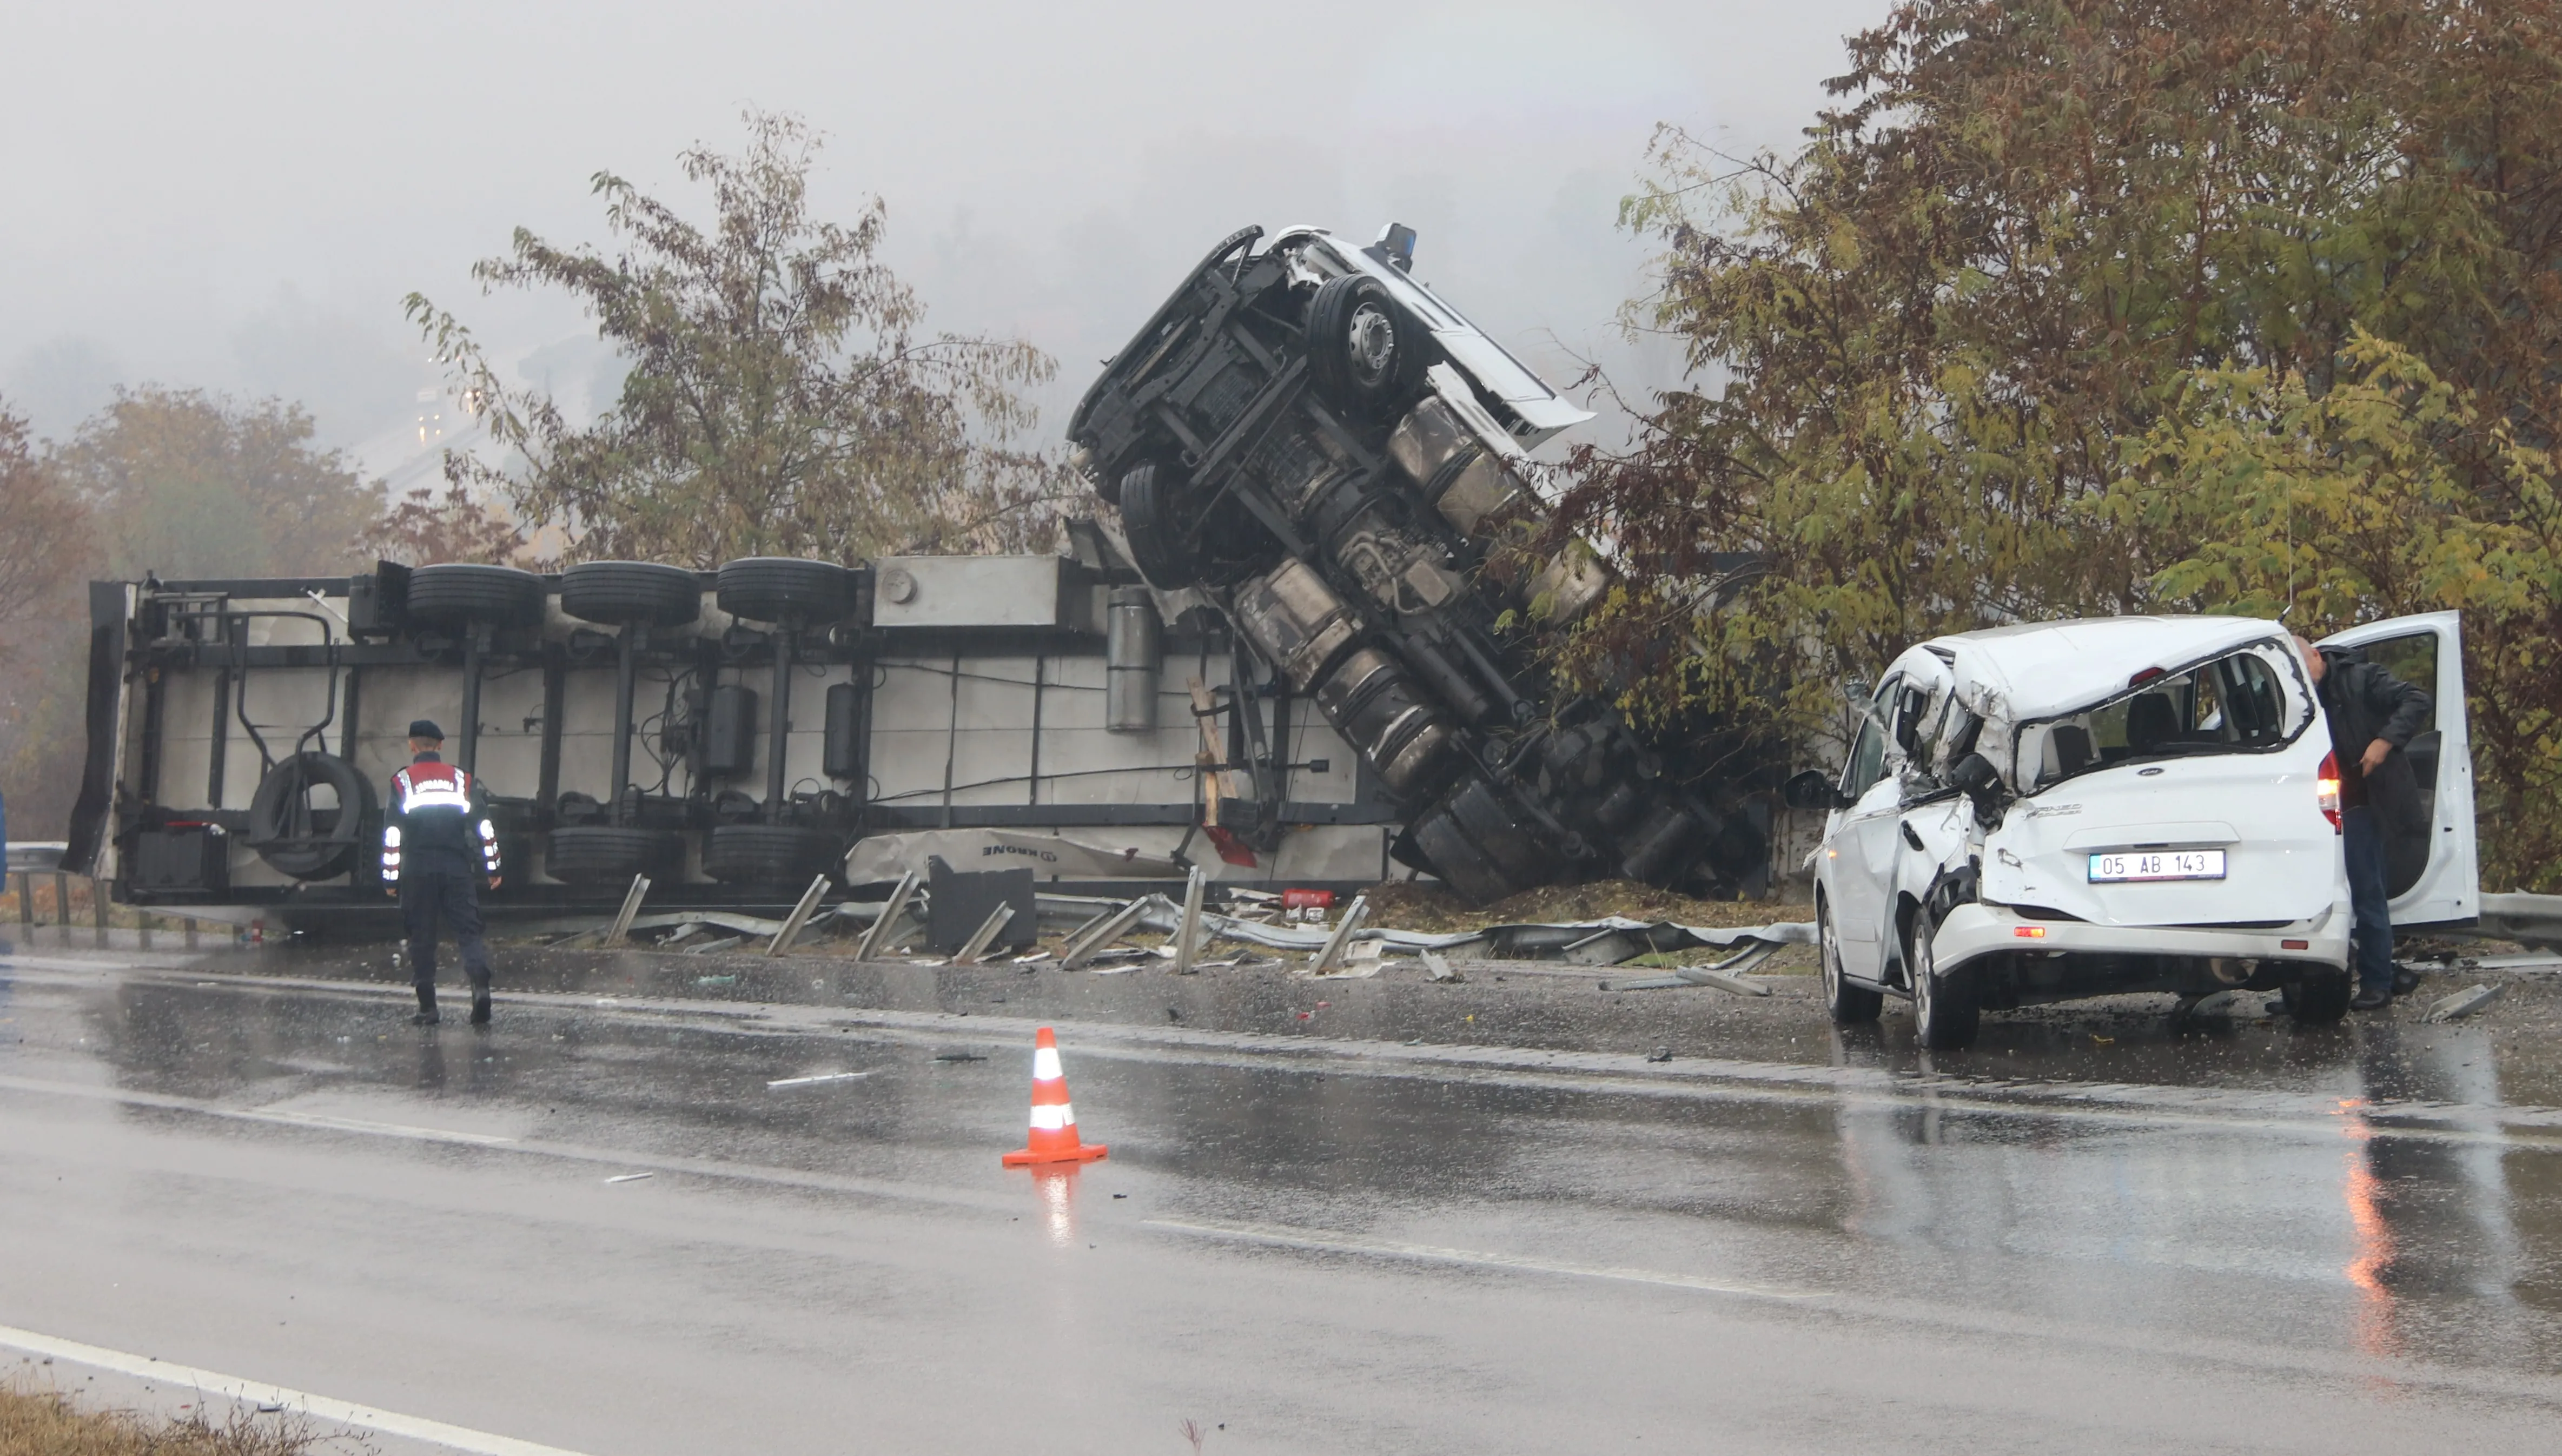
(2045, 668)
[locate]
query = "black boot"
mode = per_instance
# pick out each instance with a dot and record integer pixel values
(2371, 999)
(479, 1009)
(426, 1007)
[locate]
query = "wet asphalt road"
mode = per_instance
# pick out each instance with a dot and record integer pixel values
(1787, 1240)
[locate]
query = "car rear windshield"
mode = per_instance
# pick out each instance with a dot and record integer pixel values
(2233, 704)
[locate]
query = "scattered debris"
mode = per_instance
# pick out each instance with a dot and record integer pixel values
(716, 945)
(715, 980)
(629, 1177)
(1438, 968)
(816, 1080)
(1660, 1055)
(2463, 1003)
(960, 1057)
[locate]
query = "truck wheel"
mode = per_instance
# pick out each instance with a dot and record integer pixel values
(585, 855)
(1365, 354)
(1945, 1016)
(770, 855)
(1169, 559)
(459, 593)
(772, 588)
(2318, 998)
(616, 592)
(1851, 1005)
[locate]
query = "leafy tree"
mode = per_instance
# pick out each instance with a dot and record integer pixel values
(1923, 344)
(424, 526)
(2358, 503)
(47, 546)
(45, 535)
(187, 483)
(782, 399)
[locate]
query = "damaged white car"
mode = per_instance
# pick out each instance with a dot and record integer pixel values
(2039, 813)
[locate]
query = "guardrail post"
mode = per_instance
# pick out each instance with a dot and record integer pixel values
(27, 904)
(62, 905)
(98, 905)
(191, 932)
(142, 921)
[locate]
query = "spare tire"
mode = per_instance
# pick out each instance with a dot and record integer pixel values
(459, 593)
(1365, 353)
(610, 854)
(773, 587)
(770, 855)
(618, 592)
(298, 839)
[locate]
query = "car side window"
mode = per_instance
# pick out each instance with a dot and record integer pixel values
(1868, 750)
(1867, 760)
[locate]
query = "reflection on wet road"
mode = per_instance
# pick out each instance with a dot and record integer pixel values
(2253, 1242)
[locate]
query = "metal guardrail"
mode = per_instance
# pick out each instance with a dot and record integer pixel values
(27, 861)
(2529, 920)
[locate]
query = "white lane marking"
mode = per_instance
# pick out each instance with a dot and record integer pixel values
(1327, 1241)
(257, 1114)
(252, 1392)
(816, 1080)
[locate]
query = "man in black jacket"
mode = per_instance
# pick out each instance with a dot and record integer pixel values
(2373, 716)
(438, 845)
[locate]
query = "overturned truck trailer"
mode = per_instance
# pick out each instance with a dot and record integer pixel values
(1312, 440)
(730, 734)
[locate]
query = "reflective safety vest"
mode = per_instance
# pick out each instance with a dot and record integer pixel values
(431, 810)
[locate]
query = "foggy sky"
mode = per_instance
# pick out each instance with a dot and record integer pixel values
(237, 197)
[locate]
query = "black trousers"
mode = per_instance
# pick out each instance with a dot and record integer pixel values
(429, 895)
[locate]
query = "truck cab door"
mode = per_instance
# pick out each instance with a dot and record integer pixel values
(2439, 882)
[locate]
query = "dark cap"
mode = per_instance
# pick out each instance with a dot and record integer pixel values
(427, 729)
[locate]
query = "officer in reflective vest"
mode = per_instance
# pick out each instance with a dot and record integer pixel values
(438, 846)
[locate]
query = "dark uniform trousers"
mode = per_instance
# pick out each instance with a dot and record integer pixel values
(433, 891)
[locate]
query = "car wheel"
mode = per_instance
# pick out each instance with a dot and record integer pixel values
(1365, 354)
(1851, 1005)
(1159, 547)
(1945, 1013)
(2318, 998)
(616, 592)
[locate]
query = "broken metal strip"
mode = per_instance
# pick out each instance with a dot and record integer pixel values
(977, 944)
(800, 916)
(632, 899)
(876, 938)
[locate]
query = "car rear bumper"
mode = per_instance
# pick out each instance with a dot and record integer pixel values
(1979, 930)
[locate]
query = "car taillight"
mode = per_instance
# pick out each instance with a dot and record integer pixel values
(2327, 790)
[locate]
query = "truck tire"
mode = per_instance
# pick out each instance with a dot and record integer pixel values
(306, 843)
(619, 592)
(585, 855)
(462, 594)
(1945, 1014)
(774, 588)
(1850, 1005)
(770, 855)
(1365, 354)
(1170, 560)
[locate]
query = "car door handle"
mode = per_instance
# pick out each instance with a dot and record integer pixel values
(1911, 837)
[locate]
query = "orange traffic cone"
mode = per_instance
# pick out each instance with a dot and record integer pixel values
(1053, 1134)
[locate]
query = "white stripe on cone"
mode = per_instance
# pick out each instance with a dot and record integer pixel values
(1046, 1067)
(1054, 1119)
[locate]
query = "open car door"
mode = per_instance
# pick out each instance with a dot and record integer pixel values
(2437, 882)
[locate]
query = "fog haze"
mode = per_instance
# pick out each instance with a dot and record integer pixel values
(239, 198)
